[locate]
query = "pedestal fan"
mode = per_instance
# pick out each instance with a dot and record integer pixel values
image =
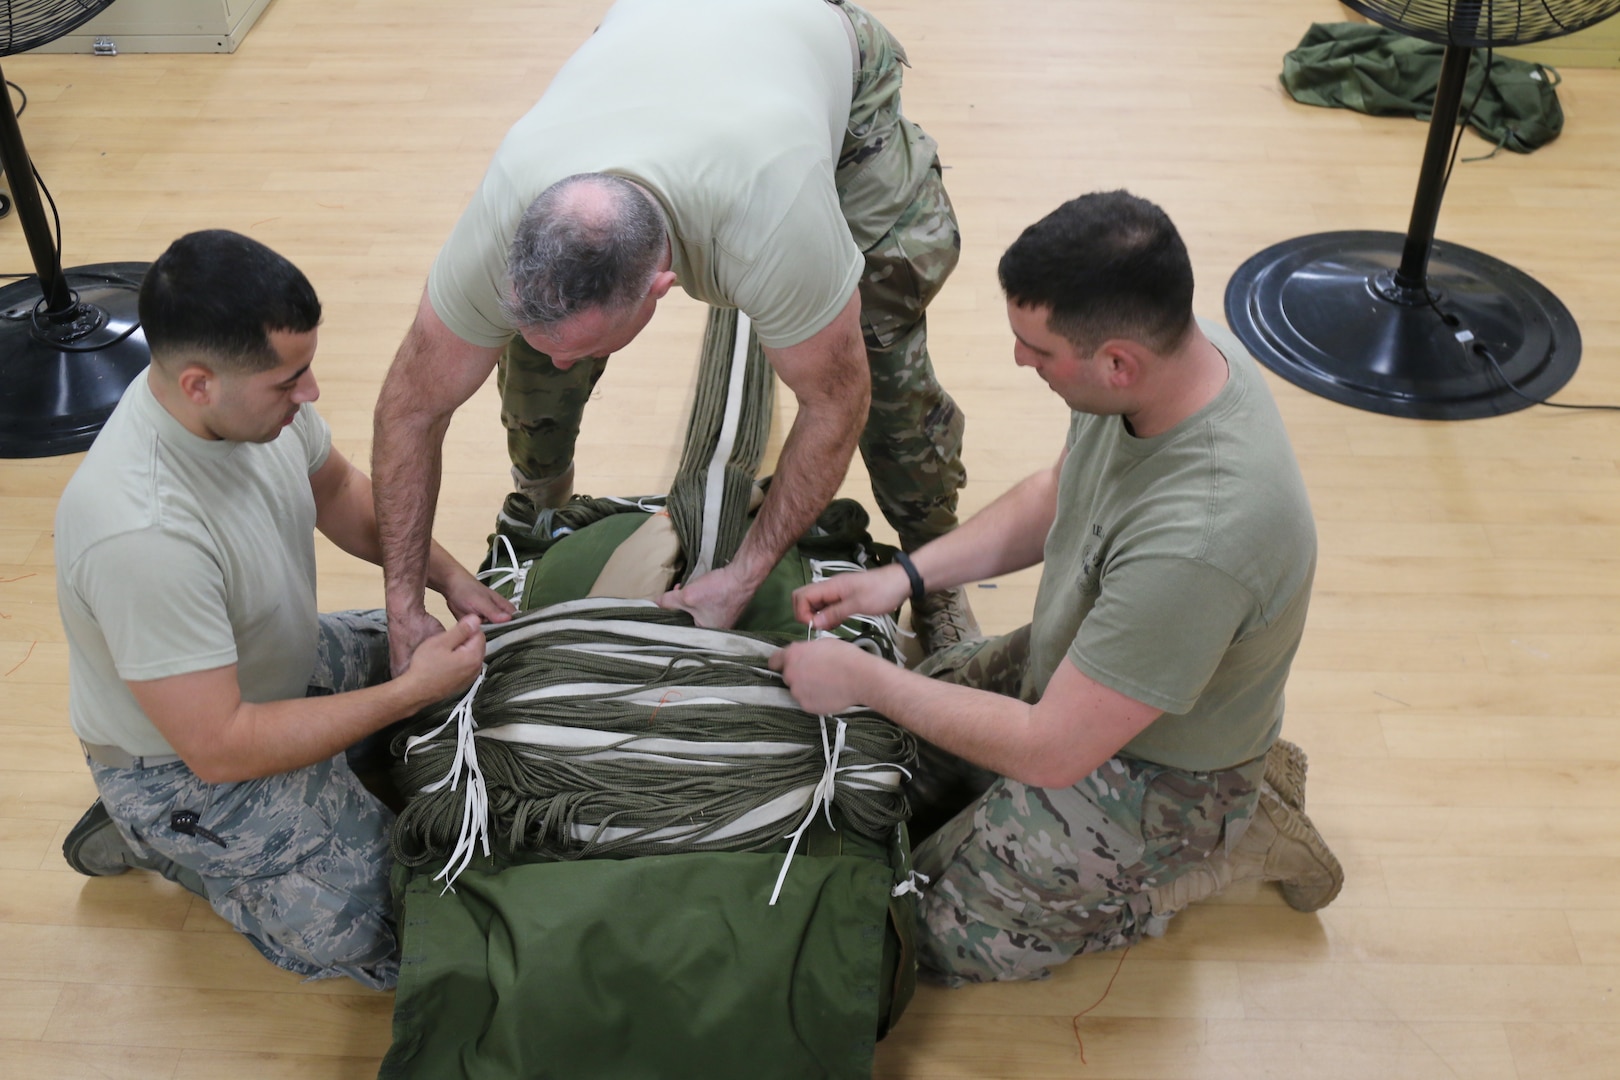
(1406, 325)
(70, 340)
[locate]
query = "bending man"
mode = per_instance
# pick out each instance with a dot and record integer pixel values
(1116, 748)
(213, 701)
(753, 153)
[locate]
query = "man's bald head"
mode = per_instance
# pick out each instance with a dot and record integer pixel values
(588, 241)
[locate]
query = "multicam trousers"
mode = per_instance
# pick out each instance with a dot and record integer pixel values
(889, 185)
(1023, 878)
(298, 862)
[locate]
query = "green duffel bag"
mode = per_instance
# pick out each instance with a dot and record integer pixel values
(665, 966)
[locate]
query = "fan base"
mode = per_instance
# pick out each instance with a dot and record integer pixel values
(1326, 313)
(58, 384)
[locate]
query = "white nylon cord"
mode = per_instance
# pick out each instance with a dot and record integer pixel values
(883, 624)
(511, 573)
(821, 799)
(475, 804)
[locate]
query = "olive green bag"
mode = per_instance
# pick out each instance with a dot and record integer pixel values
(665, 966)
(1383, 73)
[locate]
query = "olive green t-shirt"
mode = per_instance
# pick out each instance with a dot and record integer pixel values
(732, 113)
(1178, 570)
(177, 554)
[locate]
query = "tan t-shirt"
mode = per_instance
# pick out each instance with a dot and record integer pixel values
(1178, 570)
(176, 554)
(732, 113)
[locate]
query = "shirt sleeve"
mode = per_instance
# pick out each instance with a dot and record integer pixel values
(469, 275)
(1160, 628)
(312, 428)
(160, 603)
(806, 269)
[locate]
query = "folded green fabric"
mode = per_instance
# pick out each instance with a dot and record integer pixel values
(662, 967)
(1377, 71)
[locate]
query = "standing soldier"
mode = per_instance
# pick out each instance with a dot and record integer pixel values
(752, 152)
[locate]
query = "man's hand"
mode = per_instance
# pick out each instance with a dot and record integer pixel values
(714, 600)
(466, 595)
(406, 631)
(826, 676)
(447, 662)
(826, 604)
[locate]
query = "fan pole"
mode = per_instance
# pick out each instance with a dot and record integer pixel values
(1412, 274)
(30, 211)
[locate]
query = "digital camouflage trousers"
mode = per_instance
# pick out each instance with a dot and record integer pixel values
(1023, 878)
(890, 188)
(297, 862)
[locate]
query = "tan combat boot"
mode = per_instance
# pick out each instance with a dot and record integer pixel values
(946, 618)
(1280, 844)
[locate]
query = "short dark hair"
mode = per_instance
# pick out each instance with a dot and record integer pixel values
(221, 294)
(564, 260)
(1107, 265)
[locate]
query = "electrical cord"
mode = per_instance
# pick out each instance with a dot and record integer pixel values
(1471, 348)
(56, 215)
(1479, 348)
(1467, 117)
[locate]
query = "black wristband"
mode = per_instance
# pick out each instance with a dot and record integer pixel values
(917, 590)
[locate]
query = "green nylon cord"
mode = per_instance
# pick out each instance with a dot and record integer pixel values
(556, 802)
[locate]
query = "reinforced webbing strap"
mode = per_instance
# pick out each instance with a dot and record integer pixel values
(725, 443)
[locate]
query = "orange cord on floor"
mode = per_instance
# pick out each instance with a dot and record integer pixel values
(1079, 1041)
(24, 660)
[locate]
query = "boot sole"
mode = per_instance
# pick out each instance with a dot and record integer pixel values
(1311, 894)
(89, 824)
(1285, 771)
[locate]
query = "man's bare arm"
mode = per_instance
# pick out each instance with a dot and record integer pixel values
(1076, 726)
(224, 739)
(345, 512)
(829, 376)
(432, 374)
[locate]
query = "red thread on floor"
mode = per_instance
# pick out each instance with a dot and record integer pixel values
(24, 660)
(1079, 1041)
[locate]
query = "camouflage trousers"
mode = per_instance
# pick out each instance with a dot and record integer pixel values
(1024, 878)
(297, 862)
(893, 197)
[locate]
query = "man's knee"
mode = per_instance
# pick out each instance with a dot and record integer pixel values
(353, 651)
(322, 919)
(331, 910)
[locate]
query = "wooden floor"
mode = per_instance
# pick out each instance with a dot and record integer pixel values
(1459, 684)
